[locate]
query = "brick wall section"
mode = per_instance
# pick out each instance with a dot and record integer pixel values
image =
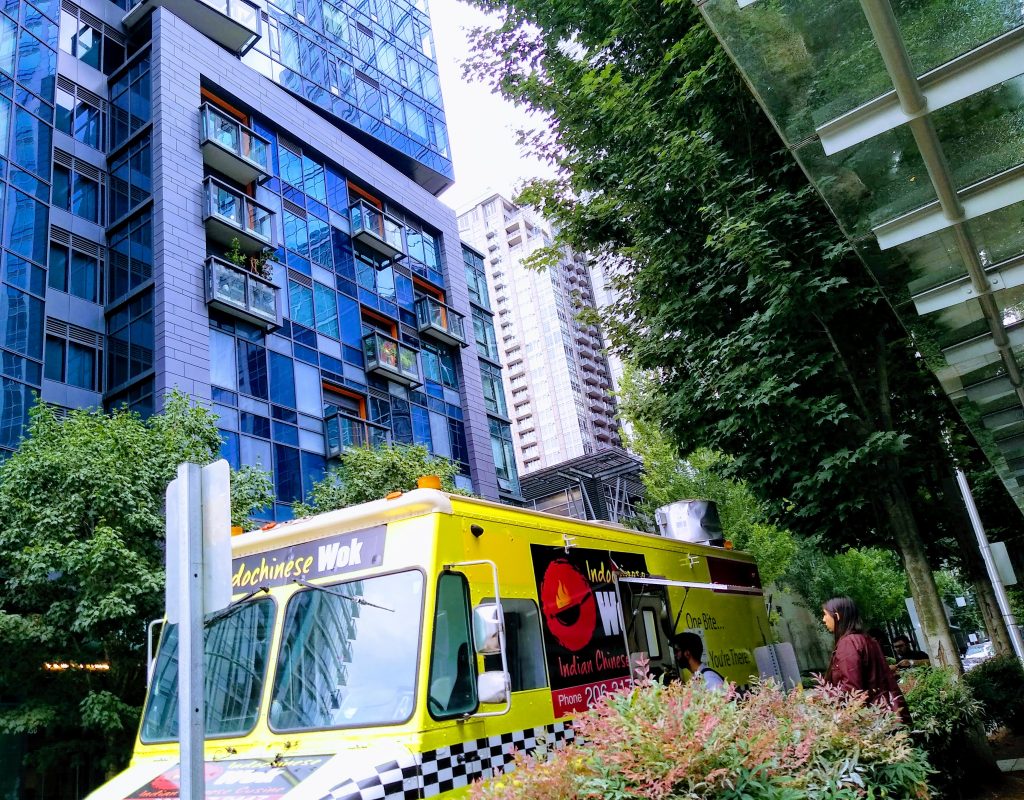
(181, 58)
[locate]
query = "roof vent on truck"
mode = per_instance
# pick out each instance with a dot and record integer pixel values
(694, 521)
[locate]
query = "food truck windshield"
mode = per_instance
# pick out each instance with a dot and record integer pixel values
(348, 657)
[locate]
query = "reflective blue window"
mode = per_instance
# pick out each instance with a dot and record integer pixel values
(229, 448)
(421, 427)
(15, 402)
(287, 474)
(351, 325)
(21, 322)
(130, 256)
(291, 167)
(320, 242)
(337, 192)
(20, 368)
(82, 370)
(83, 276)
(37, 66)
(26, 224)
(8, 45)
(24, 275)
(282, 380)
(344, 263)
(313, 180)
(57, 273)
(313, 468)
(286, 434)
(296, 234)
(308, 390)
(252, 369)
(223, 371)
(300, 299)
(326, 310)
(255, 452)
(31, 145)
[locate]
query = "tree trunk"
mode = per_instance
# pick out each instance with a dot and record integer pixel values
(940, 644)
(974, 569)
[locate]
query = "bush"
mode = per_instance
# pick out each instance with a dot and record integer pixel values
(946, 723)
(681, 741)
(998, 684)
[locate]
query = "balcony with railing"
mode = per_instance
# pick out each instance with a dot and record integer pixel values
(231, 215)
(345, 432)
(233, 24)
(231, 148)
(241, 293)
(377, 230)
(389, 358)
(441, 322)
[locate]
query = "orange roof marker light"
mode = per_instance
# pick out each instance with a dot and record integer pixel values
(428, 482)
(393, 495)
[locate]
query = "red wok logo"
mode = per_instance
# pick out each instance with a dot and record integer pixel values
(567, 601)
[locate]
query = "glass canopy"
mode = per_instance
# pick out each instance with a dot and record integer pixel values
(858, 112)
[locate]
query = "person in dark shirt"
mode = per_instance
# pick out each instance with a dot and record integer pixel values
(907, 656)
(858, 663)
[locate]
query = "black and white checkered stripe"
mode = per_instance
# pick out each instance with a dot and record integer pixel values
(434, 772)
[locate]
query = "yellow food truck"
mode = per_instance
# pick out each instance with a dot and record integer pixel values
(406, 647)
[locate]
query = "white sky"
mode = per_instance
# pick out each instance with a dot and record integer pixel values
(481, 125)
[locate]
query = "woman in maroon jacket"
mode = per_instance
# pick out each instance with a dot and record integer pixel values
(857, 660)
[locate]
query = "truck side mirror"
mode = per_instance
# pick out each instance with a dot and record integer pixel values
(493, 687)
(487, 629)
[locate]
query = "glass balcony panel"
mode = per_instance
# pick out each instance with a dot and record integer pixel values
(228, 205)
(228, 284)
(239, 292)
(394, 359)
(433, 316)
(392, 232)
(238, 152)
(259, 220)
(225, 131)
(263, 298)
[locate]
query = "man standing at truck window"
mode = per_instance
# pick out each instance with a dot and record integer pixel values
(689, 649)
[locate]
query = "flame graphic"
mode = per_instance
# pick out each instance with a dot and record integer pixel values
(562, 597)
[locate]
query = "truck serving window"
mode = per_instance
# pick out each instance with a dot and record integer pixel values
(453, 660)
(524, 648)
(349, 654)
(236, 662)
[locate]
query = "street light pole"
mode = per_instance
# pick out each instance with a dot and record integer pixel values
(990, 566)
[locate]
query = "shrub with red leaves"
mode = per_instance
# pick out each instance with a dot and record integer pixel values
(659, 742)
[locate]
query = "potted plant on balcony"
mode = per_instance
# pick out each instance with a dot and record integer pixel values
(258, 264)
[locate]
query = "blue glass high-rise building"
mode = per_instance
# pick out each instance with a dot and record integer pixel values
(237, 199)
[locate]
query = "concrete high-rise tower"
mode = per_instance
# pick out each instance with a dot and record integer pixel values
(557, 378)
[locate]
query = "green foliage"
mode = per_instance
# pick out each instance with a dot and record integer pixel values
(951, 585)
(682, 741)
(252, 489)
(369, 473)
(873, 577)
(998, 684)
(668, 478)
(82, 571)
(767, 339)
(945, 715)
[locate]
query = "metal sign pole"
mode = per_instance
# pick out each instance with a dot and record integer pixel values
(990, 566)
(191, 706)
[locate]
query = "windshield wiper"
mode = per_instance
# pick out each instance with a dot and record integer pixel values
(350, 598)
(224, 613)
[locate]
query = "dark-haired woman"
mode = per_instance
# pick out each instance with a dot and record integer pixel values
(857, 659)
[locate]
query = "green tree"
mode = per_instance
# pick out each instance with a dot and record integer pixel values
(769, 341)
(873, 577)
(667, 478)
(370, 473)
(251, 490)
(81, 572)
